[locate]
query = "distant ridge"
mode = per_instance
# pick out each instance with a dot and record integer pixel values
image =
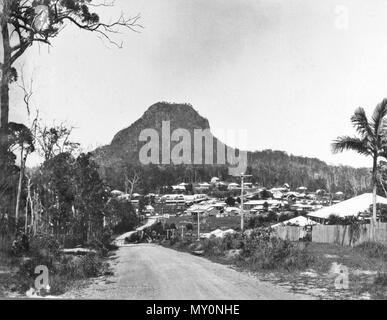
(270, 168)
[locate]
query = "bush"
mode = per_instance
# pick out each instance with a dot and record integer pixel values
(63, 269)
(73, 268)
(81, 267)
(71, 241)
(124, 215)
(232, 241)
(172, 226)
(98, 246)
(184, 243)
(381, 279)
(285, 216)
(259, 250)
(230, 201)
(91, 265)
(44, 250)
(212, 247)
(373, 250)
(262, 220)
(337, 220)
(134, 237)
(277, 253)
(378, 288)
(58, 284)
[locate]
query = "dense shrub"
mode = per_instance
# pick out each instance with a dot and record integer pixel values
(98, 246)
(158, 228)
(373, 250)
(277, 253)
(212, 247)
(62, 272)
(337, 220)
(122, 216)
(285, 216)
(262, 220)
(378, 287)
(230, 201)
(63, 269)
(184, 243)
(91, 265)
(258, 250)
(71, 241)
(381, 279)
(44, 250)
(232, 241)
(263, 251)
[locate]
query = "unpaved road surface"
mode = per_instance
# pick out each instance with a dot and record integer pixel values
(147, 271)
(120, 240)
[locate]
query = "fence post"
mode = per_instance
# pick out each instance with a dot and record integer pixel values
(182, 232)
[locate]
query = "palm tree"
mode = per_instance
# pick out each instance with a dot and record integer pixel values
(371, 140)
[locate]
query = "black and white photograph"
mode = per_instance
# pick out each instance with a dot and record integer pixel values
(193, 150)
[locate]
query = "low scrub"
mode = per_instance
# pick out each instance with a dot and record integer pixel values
(373, 250)
(262, 220)
(378, 287)
(263, 251)
(63, 269)
(257, 251)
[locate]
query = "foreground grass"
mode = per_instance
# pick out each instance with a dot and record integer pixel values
(7, 281)
(17, 273)
(364, 273)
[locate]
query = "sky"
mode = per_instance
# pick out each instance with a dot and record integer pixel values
(290, 73)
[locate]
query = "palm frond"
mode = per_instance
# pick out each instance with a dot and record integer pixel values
(351, 143)
(378, 117)
(361, 123)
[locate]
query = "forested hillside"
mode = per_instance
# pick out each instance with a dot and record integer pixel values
(269, 168)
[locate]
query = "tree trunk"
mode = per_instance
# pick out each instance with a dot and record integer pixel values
(29, 202)
(374, 186)
(19, 186)
(33, 206)
(126, 184)
(4, 83)
(88, 228)
(26, 219)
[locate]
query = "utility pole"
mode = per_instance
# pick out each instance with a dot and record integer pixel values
(198, 214)
(182, 232)
(242, 191)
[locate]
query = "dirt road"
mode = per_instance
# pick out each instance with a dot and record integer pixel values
(147, 271)
(120, 240)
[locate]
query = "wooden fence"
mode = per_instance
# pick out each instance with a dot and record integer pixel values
(338, 234)
(291, 233)
(348, 235)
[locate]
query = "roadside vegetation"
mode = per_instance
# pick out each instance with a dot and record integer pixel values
(63, 204)
(65, 270)
(304, 267)
(256, 251)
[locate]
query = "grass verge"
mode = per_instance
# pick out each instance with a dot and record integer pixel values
(309, 268)
(64, 270)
